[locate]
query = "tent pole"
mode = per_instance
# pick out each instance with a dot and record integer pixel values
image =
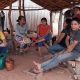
(51, 26)
(60, 23)
(11, 28)
(24, 9)
(19, 7)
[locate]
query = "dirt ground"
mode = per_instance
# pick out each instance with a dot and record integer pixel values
(24, 62)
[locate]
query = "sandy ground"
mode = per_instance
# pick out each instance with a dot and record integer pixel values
(24, 63)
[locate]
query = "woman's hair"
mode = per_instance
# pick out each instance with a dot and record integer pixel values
(68, 13)
(68, 22)
(20, 17)
(44, 19)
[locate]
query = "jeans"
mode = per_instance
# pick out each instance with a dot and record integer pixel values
(55, 48)
(52, 63)
(47, 39)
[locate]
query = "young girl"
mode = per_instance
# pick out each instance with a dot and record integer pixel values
(72, 52)
(43, 32)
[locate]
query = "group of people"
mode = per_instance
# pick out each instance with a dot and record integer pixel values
(68, 41)
(21, 32)
(67, 44)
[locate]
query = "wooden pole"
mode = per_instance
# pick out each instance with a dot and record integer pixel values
(24, 9)
(60, 23)
(51, 26)
(11, 27)
(19, 7)
(51, 23)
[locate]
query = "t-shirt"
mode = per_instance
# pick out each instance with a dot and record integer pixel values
(21, 31)
(2, 37)
(43, 29)
(75, 36)
(62, 42)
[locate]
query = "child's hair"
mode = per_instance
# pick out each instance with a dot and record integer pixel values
(44, 19)
(76, 19)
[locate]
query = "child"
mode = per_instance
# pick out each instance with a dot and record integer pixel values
(44, 33)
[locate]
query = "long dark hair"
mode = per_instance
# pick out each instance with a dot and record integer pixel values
(68, 21)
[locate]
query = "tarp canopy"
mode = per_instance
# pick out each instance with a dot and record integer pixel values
(55, 5)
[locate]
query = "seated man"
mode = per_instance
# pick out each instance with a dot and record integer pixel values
(2, 43)
(72, 52)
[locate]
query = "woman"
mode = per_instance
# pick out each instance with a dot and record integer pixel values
(72, 52)
(60, 44)
(21, 31)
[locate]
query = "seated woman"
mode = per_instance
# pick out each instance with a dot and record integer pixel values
(44, 33)
(2, 43)
(72, 52)
(21, 31)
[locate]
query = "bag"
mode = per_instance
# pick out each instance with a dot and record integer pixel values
(9, 64)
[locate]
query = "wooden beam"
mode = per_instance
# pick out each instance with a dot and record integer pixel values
(26, 9)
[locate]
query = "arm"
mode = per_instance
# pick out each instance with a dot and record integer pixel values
(60, 37)
(3, 44)
(26, 29)
(67, 41)
(72, 46)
